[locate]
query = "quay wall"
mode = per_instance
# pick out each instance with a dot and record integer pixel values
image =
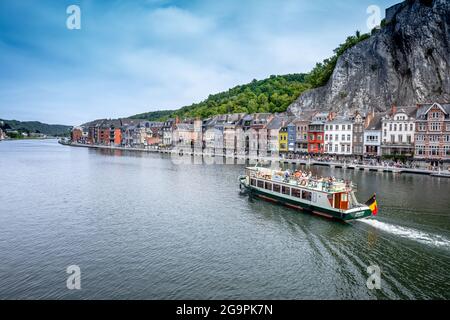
(394, 170)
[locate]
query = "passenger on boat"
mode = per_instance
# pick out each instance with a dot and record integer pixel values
(286, 176)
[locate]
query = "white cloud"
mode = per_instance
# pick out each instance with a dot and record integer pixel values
(174, 21)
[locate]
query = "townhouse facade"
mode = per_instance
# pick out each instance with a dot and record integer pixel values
(283, 140)
(167, 132)
(301, 140)
(432, 135)
(358, 134)
(338, 135)
(373, 137)
(398, 129)
(77, 134)
(316, 132)
(273, 134)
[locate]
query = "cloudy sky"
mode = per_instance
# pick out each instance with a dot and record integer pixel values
(136, 56)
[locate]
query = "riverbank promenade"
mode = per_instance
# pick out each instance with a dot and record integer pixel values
(274, 159)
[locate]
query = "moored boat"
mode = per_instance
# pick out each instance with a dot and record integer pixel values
(328, 197)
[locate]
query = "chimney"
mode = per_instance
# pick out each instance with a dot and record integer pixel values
(394, 109)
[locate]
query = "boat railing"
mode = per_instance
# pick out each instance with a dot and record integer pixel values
(320, 183)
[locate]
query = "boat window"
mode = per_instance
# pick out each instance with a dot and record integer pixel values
(306, 195)
(330, 199)
(253, 182)
(276, 188)
(286, 190)
(260, 184)
(344, 197)
(268, 186)
(296, 193)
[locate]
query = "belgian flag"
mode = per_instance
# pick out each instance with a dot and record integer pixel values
(372, 204)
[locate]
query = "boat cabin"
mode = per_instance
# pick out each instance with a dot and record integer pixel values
(324, 192)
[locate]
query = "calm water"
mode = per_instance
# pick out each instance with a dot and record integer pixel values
(140, 226)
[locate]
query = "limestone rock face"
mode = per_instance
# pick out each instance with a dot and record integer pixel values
(405, 63)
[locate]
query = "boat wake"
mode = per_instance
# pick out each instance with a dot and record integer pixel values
(409, 233)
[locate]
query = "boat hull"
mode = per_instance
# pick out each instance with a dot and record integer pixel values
(307, 208)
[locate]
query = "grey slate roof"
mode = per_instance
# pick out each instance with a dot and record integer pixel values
(375, 123)
(423, 108)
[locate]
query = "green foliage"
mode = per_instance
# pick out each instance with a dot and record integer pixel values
(15, 135)
(154, 115)
(274, 94)
(37, 127)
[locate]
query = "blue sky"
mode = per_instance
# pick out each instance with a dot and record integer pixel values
(136, 56)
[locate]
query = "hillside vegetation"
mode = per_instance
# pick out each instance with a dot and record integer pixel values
(273, 94)
(36, 127)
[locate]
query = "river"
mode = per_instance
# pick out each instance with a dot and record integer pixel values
(141, 226)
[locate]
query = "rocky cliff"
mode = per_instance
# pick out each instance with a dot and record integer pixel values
(405, 63)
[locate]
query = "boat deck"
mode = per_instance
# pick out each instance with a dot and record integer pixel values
(322, 184)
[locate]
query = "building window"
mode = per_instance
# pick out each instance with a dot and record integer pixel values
(434, 138)
(420, 151)
(435, 126)
(447, 150)
(349, 138)
(434, 150)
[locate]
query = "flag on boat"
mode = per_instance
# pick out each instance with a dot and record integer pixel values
(372, 204)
